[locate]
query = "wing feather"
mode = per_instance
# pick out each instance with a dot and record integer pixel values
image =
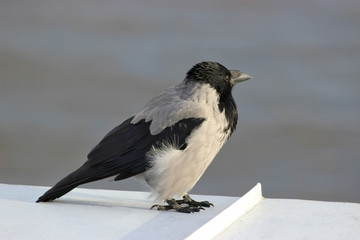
(123, 150)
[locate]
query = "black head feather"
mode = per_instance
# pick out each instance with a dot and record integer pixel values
(212, 73)
(218, 77)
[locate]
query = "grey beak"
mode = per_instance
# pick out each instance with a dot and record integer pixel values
(237, 76)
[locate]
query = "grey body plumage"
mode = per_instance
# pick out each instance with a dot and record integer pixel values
(170, 142)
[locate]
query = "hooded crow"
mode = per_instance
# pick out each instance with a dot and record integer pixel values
(170, 142)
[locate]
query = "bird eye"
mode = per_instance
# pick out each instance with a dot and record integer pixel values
(227, 77)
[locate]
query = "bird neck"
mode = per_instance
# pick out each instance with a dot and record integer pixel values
(227, 104)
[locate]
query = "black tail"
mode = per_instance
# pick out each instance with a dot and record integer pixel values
(83, 175)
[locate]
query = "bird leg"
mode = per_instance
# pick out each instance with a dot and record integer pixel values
(193, 206)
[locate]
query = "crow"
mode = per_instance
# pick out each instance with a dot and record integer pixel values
(170, 143)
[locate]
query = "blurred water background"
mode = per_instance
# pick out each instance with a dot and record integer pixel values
(72, 70)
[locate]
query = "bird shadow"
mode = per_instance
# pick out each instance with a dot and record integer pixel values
(84, 199)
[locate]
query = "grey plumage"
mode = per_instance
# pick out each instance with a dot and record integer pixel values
(171, 141)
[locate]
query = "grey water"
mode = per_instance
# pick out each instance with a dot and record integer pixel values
(70, 71)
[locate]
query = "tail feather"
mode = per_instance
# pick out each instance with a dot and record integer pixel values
(83, 175)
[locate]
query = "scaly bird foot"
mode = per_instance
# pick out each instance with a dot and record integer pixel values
(191, 202)
(173, 204)
(192, 205)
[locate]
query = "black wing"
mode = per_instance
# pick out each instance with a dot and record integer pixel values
(123, 152)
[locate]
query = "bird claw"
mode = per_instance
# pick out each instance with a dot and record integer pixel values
(191, 202)
(192, 205)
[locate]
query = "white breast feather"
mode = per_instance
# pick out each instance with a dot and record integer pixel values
(174, 172)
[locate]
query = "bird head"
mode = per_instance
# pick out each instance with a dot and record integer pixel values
(216, 75)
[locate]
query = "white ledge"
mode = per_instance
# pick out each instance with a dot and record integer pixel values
(107, 214)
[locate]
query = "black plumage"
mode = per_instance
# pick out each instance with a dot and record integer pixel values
(122, 152)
